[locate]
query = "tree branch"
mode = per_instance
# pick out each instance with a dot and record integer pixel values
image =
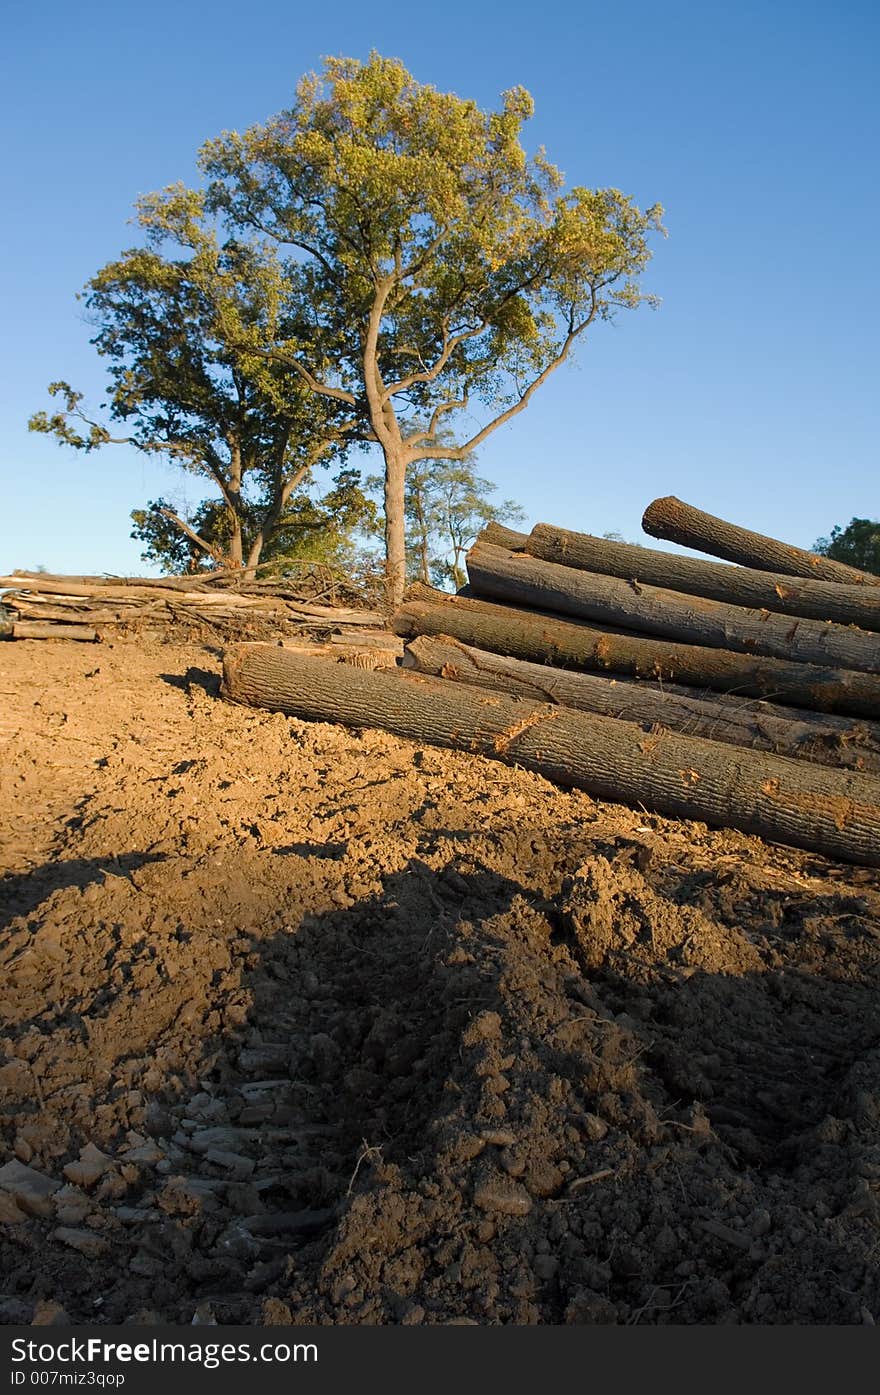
(214, 552)
(459, 452)
(322, 389)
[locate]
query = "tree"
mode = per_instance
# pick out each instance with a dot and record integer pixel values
(313, 527)
(858, 545)
(447, 504)
(187, 322)
(435, 265)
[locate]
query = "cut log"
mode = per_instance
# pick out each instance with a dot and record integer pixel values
(499, 574)
(833, 812)
(523, 634)
(818, 600)
(36, 629)
(681, 523)
(838, 741)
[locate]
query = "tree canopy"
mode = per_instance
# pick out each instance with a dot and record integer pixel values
(179, 320)
(858, 545)
(329, 527)
(438, 268)
(380, 263)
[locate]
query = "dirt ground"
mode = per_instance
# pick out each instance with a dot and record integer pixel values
(301, 1025)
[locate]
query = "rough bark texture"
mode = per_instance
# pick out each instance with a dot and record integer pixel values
(818, 600)
(828, 740)
(681, 523)
(499, 574)
(828, 811)
(524, 634)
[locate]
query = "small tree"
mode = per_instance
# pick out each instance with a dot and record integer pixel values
(186, 324)
(436, 265)
(858, 545)
(447, 504)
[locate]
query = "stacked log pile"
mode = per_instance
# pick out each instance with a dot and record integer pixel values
(745, 696)
(41, 606)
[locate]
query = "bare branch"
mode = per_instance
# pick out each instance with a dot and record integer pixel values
(193, 536)
(459, 452)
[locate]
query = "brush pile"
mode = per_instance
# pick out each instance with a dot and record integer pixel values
(744, 696)
(313, 602)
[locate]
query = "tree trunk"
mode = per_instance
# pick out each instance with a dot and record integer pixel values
(827, 740)
(819, 600)
(680, 523)
(499, 574)
(524, 634)
(833, 812)
(395, 528)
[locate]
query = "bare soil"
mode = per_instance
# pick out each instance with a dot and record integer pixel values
(319, 1027)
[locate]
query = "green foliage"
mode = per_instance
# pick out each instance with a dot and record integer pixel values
(178, 321)
(418, 223)
(858, 545)
(314, 527)
(372, 265)
(438, 267)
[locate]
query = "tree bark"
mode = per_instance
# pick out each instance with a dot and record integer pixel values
(677, 522)
(818, 600)
(499, 574)
(762, 726)
(524, 634)
(395, 528)
(833, 812)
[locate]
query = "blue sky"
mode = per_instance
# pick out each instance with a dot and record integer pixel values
(751, 392)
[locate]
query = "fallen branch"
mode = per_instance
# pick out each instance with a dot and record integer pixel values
(25, 629)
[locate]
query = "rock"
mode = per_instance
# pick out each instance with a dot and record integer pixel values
(48, 1313)
(501, 1138)
(31, 1190)
(145, 1154)
(222, 1137)
(15, 1312)
(10, 1211)
(413, 1316)
(236, 1240)
(545, 1266)
(22, 1149)
(90, 1167)
(513, 1164)
(71, 1205)
(500, 1194)
(235, 1163)
(85, 1241)
(544, 1178)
